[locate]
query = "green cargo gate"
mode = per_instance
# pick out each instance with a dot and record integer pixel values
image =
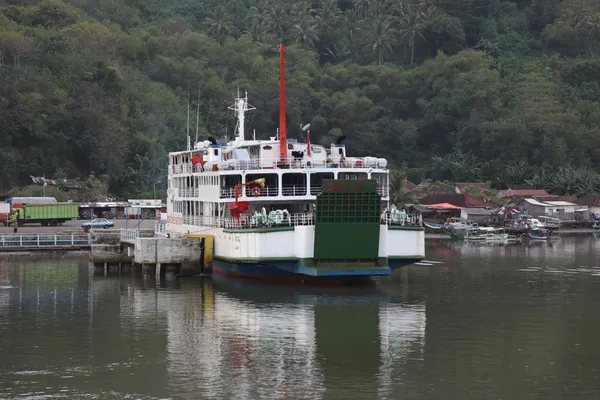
(347, 221)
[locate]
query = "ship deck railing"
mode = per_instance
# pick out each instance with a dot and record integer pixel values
(268, 164)
(257, 221)
(269, 191)
(408, 220)
(251, 221)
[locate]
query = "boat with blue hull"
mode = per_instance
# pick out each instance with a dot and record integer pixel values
(296, 271)
(283, 209)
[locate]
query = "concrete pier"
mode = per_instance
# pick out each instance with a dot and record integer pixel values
(157, 257)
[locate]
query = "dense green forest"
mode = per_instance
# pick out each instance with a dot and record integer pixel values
(463, 90)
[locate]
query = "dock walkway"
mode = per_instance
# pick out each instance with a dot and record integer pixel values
(46, 242)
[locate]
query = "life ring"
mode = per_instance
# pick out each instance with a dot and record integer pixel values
(255, 191)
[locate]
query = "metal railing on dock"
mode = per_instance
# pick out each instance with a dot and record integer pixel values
(129, 235)
(47, 240)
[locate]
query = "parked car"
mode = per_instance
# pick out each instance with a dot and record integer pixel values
(98, 223)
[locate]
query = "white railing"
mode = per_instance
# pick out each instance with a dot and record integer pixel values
(129, 234)
(250, 221)
(295, 190)
(268, 164)
(41, 240)
(408, 220)
(383, 191)
(160, 228)
(229, 193)
(189, 192)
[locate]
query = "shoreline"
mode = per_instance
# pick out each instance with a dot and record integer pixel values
(585, 231)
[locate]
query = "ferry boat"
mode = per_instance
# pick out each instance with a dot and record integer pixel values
(289, 210)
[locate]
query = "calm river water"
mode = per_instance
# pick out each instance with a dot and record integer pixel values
(511, 322)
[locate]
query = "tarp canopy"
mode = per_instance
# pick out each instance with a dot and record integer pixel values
(445, 206)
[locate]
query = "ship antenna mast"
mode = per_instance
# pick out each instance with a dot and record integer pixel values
(241, 106)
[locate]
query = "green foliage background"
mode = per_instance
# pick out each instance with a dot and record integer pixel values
(445, 89)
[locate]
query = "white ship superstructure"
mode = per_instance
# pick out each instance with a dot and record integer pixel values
(289, 208)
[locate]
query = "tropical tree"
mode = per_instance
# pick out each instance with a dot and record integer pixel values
(328, 15)
(411, 29)
(305, 31)
(381, 36)
(219, 23)
(399, 193)
(363, 7)
(277, 17)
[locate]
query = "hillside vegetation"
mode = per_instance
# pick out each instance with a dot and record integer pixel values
(444, 89)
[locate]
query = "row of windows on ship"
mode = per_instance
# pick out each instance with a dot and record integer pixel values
(213, 209)
(286, 184)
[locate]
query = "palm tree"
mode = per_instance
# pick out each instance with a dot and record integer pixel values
(306, 31)
(594, 31)
(362, 7)
(352, 24)
(516, 171)
(411, 28)
(398, 187)
(442, 167)
(382, 36)
(328, 15)
(219, 23)
(258, 28)
(277, 17)
(465, 166)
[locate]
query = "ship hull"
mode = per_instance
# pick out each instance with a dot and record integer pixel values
(279, 272)
(287, 254)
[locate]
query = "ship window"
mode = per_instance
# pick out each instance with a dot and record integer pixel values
(316, 181)
(352, 175)
(228, 183)
(294, 184)
(216, 152)
(271, 184)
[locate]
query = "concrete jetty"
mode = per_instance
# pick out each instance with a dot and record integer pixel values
(155, 254)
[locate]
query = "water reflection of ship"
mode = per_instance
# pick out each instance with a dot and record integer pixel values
(255, 340)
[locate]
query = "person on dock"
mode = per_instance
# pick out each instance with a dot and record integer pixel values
(16, 223)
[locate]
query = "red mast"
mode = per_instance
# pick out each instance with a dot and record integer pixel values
(282, 127)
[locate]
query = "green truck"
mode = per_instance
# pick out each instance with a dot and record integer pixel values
(45, 214)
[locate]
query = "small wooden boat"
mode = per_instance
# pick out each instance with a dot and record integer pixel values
(497, 235)
(433, 226)
(537, 236)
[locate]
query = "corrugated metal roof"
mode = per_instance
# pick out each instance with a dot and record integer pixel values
(477, 211)
(536, 203)
(560, 203)
(522, 193)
